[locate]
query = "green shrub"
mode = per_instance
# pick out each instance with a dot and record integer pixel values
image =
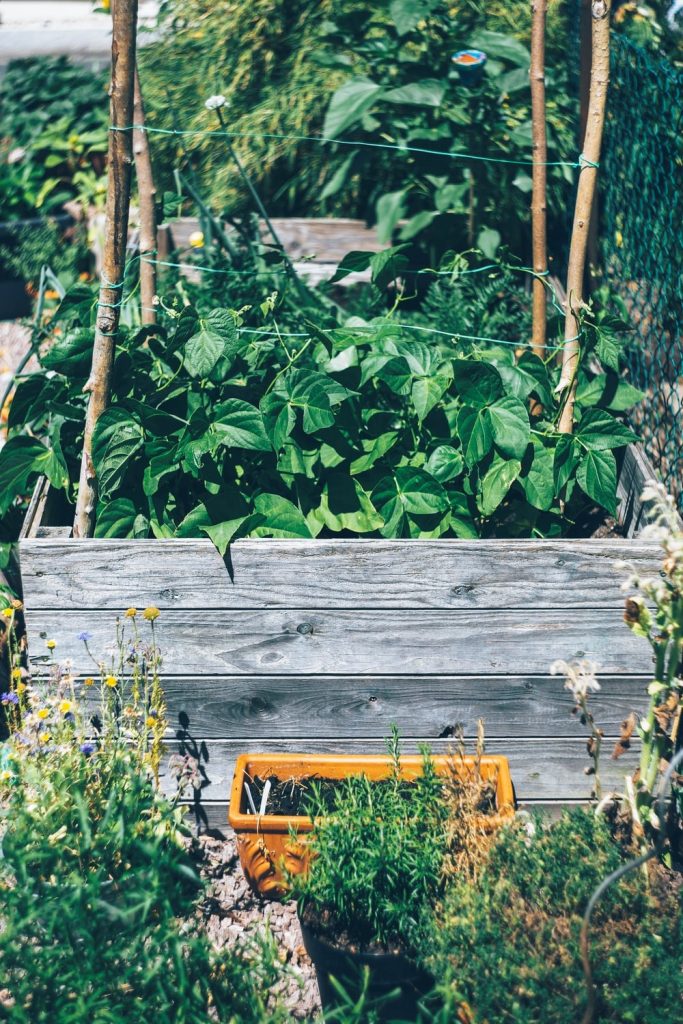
(508, 945)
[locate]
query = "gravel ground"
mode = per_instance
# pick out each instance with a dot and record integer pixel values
(237, 912)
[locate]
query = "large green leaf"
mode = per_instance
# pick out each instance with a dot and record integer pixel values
(203, 351)
(410, 491)
(390, 208)
(538, 481)
(599, 431)
(474, 429)
(348, 104)
(427, 391)
(510, 426)
(428, 93)
(20, 459)
(597, 477)
(344, 505)
(566, 457)
(387, 265)
(281, 518)
(373, 450)
(497, 482)
(407, 14)
(445, 463)
(278, 415)
(477, 383)
(120, 518)
(222, 534)
(117, 438)
(70, 354)
(240, 425)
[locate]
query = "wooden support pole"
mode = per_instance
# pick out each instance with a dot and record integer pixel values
(148, 214)
(120, 161)
(538, 192)
(600, 11)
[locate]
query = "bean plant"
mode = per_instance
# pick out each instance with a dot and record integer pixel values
(267, 419)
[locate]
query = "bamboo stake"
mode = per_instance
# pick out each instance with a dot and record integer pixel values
(120, 160)
(600, 11)
(148, 218)
(538, 194)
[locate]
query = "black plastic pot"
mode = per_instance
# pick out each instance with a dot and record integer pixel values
(14, 299)
(389, 973)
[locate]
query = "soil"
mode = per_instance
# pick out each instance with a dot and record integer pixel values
(292, 797)
(322, 922)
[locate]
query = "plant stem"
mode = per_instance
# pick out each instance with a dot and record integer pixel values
(538, 194)
(588, 175)
(120, 160)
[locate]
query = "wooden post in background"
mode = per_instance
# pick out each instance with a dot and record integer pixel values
(119, 166)
(588, 175)
(148, 214)
(585, 63)
(538, 193)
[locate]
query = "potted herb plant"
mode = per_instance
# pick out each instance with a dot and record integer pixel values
(379, 852)
(275, 799)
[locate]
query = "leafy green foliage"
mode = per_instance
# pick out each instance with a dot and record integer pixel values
(101, 898)
(377, 856)
(404, 89)
(507, 945)
(53, 119)
(260, 421)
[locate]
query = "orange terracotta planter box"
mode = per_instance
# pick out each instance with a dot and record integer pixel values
(266, 846)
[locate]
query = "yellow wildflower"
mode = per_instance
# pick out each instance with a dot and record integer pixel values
(151, 613)
(131, 613)
(8, 612)
(89, 681)
(21, 688)
(44, 713)
(44, 737)
(150, 722)
(50, 644)
(197, 239)
(111, 681)
(65, 707)
(5, 776)
(16, 673)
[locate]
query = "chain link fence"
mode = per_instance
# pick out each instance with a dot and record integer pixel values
(641, 240)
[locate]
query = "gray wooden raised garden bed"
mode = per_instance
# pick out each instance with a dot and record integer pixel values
(321, 645)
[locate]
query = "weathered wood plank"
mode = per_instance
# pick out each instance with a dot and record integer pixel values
(190, 574)
(364, 642)
(541, 770)
(636, 472)
(260, 707)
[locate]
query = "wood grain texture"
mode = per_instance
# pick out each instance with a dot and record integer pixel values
(364, 642)
(318, 574)
(540, 770)
(262, 707)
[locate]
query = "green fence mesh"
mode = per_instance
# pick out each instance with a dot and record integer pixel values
(641, 232)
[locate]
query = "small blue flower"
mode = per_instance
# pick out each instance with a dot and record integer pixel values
(84, 636)
(88, 748)
(9, 698)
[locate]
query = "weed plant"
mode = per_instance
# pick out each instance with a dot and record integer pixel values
(99, 914)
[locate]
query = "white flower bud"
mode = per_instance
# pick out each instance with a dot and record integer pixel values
(215, 102)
